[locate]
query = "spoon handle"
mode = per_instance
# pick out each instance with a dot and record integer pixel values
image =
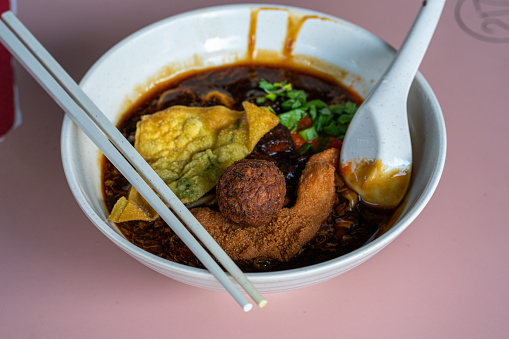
(404, 66)
(376, 157)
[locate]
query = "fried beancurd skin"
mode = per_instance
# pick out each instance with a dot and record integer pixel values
(190, 147)
(291, 228)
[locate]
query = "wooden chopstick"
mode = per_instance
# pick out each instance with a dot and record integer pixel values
(64, 90)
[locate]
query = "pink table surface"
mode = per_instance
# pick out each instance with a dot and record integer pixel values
(446, 276)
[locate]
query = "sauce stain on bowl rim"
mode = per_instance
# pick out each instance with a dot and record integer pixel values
(278, 53)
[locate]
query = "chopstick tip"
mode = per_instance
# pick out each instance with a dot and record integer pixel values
(247, 307)
(6, 14)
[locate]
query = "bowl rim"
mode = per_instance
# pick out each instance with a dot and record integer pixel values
(350, 258)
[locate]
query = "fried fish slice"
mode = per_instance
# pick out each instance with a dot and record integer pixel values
(291, 228)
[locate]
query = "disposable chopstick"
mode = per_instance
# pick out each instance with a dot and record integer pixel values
(131, 154)
(78, 116)
(74, 101)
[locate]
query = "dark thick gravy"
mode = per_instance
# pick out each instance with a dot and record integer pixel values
(346, 229)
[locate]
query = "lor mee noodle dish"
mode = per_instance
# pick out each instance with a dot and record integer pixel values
(252, 149)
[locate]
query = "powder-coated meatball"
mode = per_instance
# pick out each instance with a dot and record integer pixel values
(250, 192)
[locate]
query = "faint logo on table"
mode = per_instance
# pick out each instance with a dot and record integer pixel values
(486, 20)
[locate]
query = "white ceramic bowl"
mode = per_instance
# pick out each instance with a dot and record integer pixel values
(219, 35)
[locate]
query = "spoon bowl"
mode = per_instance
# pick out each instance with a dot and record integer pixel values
(376, 156)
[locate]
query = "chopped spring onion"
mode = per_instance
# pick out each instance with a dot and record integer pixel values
(309, 134)
(332, 120)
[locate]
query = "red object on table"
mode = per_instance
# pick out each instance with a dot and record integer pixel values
(7, 107)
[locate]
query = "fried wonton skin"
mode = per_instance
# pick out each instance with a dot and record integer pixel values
(190, 147)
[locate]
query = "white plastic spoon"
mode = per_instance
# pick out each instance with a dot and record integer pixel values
(376, 156)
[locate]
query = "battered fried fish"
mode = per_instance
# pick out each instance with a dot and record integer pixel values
(291, 228)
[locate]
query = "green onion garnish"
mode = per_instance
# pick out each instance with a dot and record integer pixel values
(309, 134)
(332, 120)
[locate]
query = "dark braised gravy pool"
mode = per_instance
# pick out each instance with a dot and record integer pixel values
(351, 225)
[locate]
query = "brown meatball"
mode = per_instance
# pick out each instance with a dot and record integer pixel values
(250, 192)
